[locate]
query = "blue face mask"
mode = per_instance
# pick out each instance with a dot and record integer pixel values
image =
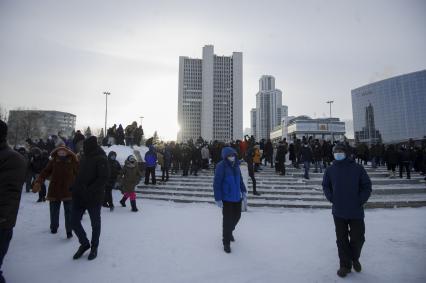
(339, 156)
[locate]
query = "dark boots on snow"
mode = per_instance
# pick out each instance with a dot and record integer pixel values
(133, 204)
(123, 202)
(227, 248)
(357, 266)
(343, 271)
(81, 250)
(69, 235)
(93, 253)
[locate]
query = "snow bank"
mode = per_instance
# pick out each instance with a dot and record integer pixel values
(170, 242)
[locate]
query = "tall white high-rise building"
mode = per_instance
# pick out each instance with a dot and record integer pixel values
(253, 117)
(269, 109)
(210, 102)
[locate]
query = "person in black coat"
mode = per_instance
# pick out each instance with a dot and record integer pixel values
(250, 166)
(317, 155)
(404, 161)
(347, 186)
(269, 152)
(391, 160)
(38, 162)
(281, 152)
(114, 170)
(306, 158)
(88, 192)
(12, 176)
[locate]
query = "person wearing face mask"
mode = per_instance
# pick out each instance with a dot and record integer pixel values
(62, 170)
(348, 187)
(229, 190)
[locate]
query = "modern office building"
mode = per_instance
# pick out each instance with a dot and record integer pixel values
(304, 126)
(36, 124)
(269, 109)
(391, 110)
(210, 101)
(253, 118)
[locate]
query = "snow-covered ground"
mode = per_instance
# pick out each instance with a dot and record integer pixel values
(170, 242)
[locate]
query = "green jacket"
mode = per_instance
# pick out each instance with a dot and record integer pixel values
(129, 178)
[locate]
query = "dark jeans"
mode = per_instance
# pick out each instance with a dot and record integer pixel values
(391, 166)
(405, 165)
(5, 237)
(28, 180)
(231, 215)
(318, 163)
(350, 239)
(185, 168)
(55, 206)
(95, 221)
(281, 166)
(165, 173)
(194, 167)
(150, 171)
(307, 165)
(108, 196)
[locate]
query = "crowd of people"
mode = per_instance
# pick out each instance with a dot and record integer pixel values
(82, 177)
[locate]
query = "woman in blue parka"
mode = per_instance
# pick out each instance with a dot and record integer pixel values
(229, 190)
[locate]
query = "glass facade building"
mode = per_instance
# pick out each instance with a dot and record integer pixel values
(391, 110)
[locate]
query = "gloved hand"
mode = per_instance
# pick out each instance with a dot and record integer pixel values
(36, 187)
(219, 203)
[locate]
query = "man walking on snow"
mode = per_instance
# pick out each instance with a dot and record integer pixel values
(347, 186)
(229, 190)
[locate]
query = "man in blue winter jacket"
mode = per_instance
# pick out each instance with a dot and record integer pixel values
(347, 186)
(229, 190)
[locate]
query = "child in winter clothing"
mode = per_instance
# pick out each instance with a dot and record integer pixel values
(128, 179)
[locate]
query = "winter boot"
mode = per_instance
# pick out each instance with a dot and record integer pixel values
(54, 231)
(133, 204)
(227, 248)
(357, 265)
(93, 253)
(123, 202)
(343, 271)
(81, 250)
(69, 235)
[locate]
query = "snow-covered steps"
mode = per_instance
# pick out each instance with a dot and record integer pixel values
(288, 203)
(290, 190)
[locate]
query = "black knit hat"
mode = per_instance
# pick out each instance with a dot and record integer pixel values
(3, 131)
(90, 145)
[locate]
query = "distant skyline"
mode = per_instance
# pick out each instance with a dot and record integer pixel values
(62, 55)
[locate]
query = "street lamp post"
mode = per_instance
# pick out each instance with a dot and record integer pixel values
(331, 131)
(106, 110)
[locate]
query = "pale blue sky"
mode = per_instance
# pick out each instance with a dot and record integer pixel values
(62, 55)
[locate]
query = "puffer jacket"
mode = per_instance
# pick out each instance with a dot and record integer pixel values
(228, 183)
(129, 177)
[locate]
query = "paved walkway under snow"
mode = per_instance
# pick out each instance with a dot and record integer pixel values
(169, 242)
